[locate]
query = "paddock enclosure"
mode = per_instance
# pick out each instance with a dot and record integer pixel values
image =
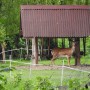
(59, 74)
(52, 22)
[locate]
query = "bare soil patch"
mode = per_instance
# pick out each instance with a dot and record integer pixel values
(39, 67)
(53, 67)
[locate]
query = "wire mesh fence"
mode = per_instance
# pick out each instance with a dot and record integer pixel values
(60, 76)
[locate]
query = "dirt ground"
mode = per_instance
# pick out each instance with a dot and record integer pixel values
(53, 67)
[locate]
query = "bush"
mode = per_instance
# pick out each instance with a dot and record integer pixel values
(40, 83)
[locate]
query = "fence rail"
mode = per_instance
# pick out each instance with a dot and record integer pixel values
(61, 74)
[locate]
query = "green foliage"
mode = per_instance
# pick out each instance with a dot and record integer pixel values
(17, 80)
(2, 33)
(77, 84)
(11, 14)
(40, 83)
(28, 85)
(87, 42)
(3, 81)
(10, 18)
(74, 84)
(16, 83)
(43, 84)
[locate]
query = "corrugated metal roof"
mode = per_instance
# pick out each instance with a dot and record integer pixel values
(55, 21)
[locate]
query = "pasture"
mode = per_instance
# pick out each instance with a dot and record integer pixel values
(58, 75)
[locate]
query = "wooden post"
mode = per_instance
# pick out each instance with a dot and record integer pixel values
(77, 51)
(63, 42)
(27, 45)
(42, 45)
(84, 45)
(35, 50)
(70, 42)
(48, 46)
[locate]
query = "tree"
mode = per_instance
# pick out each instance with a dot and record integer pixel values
(2, 40)
(10, 15)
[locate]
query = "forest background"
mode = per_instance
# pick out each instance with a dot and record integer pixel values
(10, 20)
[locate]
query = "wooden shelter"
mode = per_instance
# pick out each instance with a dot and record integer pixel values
(71, 21)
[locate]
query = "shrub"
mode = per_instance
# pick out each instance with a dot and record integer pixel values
(3, 81)
(43, 84)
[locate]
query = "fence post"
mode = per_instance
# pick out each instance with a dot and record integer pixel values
(10, 58)
(21, 53)
(62, 72)
(30, 71)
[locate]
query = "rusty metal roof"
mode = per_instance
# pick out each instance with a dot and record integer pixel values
(55, 21)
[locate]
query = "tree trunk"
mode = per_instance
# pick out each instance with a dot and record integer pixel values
(56, 42)
(77, 51)
(63, 42)
(27, 48)
(48, 47)
(42, 45)
(3, 52)
(35, 50)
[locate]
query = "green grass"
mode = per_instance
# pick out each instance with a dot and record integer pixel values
(53, 75)
(83, 60)
(57, 62)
